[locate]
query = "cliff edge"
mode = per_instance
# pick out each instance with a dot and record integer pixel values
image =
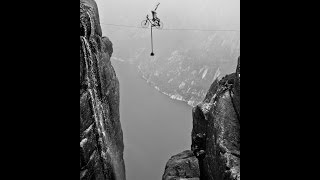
(215, 135)
(101, 139)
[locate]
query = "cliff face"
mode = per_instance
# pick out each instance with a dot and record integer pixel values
(216, 131)
(101, 139)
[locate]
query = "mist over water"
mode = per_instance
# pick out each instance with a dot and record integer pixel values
(155, 127)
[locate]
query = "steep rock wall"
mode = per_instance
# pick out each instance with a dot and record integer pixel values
(216, 132)
(101, 139)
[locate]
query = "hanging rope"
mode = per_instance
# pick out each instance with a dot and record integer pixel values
(152, 53)
(168, 29)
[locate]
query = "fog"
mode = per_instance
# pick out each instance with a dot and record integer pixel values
(222, 14)
(154, 126)
(175, 14)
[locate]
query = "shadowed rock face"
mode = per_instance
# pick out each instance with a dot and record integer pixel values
(182, 166)
(216, 130)
(101, 139)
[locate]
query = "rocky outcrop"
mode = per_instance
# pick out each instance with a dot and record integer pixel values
(182, 166)
(101, 139)
(216, 130)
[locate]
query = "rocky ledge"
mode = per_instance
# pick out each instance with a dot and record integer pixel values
(101, 139)
(182, 166)
(215, 135)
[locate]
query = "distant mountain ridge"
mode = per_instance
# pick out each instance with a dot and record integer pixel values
(183, 68)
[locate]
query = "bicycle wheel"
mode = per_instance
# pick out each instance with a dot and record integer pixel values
(145, 23)
(159, 25)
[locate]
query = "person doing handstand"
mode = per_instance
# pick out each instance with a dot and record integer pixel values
(154, 15)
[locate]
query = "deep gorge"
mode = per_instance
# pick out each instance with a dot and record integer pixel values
(212, 127)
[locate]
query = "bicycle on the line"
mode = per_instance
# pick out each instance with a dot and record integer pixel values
(154, 23)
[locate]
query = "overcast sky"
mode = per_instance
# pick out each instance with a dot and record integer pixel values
(224, 14)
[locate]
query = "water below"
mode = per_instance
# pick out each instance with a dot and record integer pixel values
(154, 126)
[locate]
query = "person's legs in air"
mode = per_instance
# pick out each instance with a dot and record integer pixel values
(154, 16)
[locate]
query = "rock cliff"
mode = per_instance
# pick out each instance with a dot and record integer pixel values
(215, 134)
(101, 139)
(182, 166)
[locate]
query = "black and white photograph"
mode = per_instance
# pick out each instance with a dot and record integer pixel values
(160, 90)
